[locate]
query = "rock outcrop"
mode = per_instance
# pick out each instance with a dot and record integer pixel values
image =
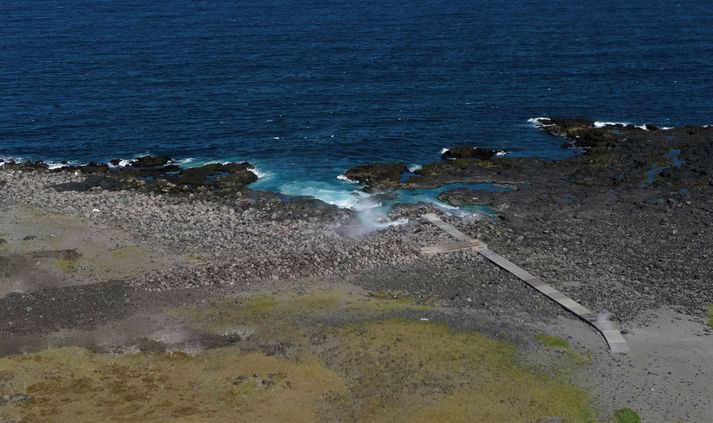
(468, 152)
(378, 175)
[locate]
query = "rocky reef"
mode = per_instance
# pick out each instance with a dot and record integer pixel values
(377, 175)
(148, 173)
(608, 156)
(458, 164)
(468, 152)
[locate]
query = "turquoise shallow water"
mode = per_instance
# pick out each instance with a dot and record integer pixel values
(307, 89)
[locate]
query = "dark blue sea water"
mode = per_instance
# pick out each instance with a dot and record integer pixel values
(306, 89)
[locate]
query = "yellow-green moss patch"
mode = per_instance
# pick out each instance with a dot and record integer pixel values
(351, 362)
(563, 345)
(552, 341)
(66, 265)
(626, 415)
(414, 371)
(710, 316)
(75, 385)
(279, 315)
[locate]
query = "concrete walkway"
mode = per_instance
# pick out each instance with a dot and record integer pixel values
(608, 329)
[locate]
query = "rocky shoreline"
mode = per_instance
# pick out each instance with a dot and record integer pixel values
(598, 226)
(624, 226)
(94, 256)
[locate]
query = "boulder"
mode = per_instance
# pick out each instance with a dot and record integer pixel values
(468, 152)
(94, 167)
(582, 131)
(218, 175)
(151, 161)
(566, 127)
(377, 174)
(28, 166)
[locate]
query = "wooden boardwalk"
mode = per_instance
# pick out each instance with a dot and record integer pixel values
(608, 329)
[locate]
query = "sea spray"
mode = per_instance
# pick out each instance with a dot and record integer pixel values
(603, 318)
(371, 216)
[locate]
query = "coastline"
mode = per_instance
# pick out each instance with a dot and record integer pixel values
(592, 226)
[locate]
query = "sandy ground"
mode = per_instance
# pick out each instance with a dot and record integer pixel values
(667, 376)
(49, 250)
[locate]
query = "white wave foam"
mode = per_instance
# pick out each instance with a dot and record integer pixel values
(9, 159)
(343, 177)
(330, 193)
(643, 126)
(122, 163)
(365, 202)
(50, 163)
(57, 165)
(600, 124)
(501, 153)
(336, 198)
(260, 174)
(538, 122)
(444, 150)
(414, 167)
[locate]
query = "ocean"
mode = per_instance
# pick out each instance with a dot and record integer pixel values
(304, 90)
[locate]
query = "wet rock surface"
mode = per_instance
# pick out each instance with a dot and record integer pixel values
(468, 152)
(146, 173)
(379, 175)
(151, 161)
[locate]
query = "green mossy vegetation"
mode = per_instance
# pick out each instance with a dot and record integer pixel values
(552, 341)
(66, 264)
(561, 344)
(75, 385)
(626, 415)
(352, 358)
(413, 371)
(710, 315)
